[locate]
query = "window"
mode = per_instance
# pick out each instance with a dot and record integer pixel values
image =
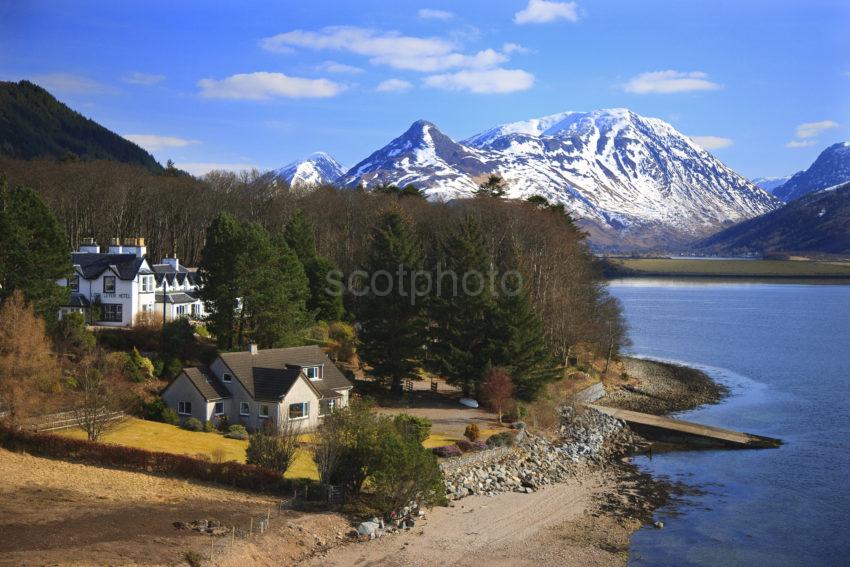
(299, 411)
(74, 283)
(226, 377)
(112, 312)
(244, 408)
(264, 410)
(327, 406)
(181, 310)
(219, 408)
(108, 284)
(312, 372)
(196, 310)
(147, 283)
(184, 408)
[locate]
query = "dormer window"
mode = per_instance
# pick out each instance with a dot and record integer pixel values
(226, 378)
(108, 284)
(312, 372)
(147, 283)
(74, 283)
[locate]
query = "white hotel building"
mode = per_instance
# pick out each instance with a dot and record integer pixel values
(123, 286)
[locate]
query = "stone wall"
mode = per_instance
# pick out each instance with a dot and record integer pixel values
(590, 394)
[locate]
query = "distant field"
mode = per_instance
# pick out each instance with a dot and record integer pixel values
(619, 267)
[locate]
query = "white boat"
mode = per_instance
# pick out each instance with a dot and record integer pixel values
(468, 402)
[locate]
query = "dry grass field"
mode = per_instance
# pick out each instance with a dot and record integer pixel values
(155, 436)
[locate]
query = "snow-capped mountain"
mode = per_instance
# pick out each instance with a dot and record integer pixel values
(770, 184)
(619, 173)
(425, 157)
(832, 167)
(315, 169)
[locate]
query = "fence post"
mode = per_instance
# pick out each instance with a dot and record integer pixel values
(232, 536)
(251, 529)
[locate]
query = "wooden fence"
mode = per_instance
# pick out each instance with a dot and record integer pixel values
(64, 420)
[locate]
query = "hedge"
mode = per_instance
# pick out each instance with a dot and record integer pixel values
(130, 458)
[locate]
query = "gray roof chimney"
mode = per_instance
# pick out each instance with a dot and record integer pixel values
(252, 348)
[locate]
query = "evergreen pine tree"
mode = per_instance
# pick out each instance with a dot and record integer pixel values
(463, 316)
(322, 302)
(393, 327)
(220, 278)
(33, 250)
(520, 345)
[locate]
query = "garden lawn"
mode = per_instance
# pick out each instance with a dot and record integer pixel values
(156, 436)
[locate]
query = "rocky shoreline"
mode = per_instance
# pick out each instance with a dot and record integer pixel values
(663, 388)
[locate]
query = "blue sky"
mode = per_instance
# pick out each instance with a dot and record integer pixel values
(766, 85)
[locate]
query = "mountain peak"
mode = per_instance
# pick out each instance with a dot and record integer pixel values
(831, 167)
(315, 169)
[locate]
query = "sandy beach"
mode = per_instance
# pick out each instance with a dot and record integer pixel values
(560, 525)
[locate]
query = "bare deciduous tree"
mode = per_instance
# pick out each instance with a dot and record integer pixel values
(497, 390)
(96, 400)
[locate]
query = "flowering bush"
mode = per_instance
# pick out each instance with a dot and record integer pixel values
(447, 451)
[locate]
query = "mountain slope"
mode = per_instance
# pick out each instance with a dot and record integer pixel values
(830, 168)
(425, 157)
(34, 124)
(770, 184)
(629, 180)
(315, 169)
(817, 222)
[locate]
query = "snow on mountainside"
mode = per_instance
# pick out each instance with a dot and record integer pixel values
(619, 173)
(832, 167)
(315, 169)
(770, 184)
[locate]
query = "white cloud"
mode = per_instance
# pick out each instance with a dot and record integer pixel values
(263, 85)
(667, 82)
(544, 11)
(712, 142)
(202, 168)
(812, 129)
(800, 143)
(339, 68)
(153, 142)
(514, 48)
(143, 79)
(394, 86)
(424, 54)
(428, 14)
(488, 81)
(68, 83)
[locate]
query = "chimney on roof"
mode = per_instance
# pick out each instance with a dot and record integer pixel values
(135, 246)
(115, 246)
(173, 262)
(89, 246)
(252, 348)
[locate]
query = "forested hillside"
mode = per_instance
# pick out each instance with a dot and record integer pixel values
(34, 124)
(106, 199)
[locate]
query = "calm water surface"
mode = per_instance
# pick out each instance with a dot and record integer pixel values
(784, 350)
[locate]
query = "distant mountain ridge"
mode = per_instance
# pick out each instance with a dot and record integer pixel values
(315, 169)
(817, 222)
(34, 124)
(831, 168)
(770, 184)
(623, 176)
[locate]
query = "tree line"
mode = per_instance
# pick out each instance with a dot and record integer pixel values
(274, 247)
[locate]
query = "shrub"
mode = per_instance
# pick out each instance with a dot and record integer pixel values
(193, 558)
(202, 331)
(222, 423)
(403, 470)
(172, 368)
(500, 439)
(170, 416)
(153, 410)
(275, 452)
(418, 428)
(237, 431)
(465, 446)
(142, 363)
(209, 426)
(193, 424)
(158, 366)
(447, 451)
(472, 432)
(178, 338)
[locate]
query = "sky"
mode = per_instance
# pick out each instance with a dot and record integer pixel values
(765, 86)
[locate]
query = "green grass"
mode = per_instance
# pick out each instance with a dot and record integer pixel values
(728, 268)
(155, 436)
